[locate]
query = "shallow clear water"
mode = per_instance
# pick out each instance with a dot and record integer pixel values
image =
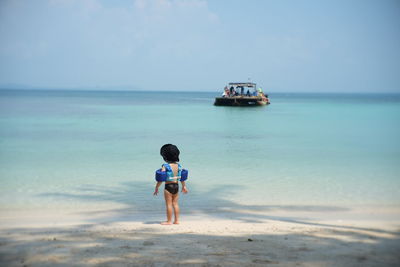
(82, 148)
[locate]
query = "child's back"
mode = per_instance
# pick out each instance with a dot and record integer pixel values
(170, 154)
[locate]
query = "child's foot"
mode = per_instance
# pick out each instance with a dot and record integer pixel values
(176, 222)
(166, 223)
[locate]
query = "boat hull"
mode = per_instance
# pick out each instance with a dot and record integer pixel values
(240, 101)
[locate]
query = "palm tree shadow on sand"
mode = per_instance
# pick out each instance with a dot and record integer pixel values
(148, 245)
(138, 203)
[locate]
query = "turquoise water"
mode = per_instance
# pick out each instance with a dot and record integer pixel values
(85, 148)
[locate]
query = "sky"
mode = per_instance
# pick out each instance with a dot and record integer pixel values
(200, 45)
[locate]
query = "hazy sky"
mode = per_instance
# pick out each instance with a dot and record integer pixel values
(198, 45)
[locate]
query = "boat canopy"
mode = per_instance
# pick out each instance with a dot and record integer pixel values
(243, 84)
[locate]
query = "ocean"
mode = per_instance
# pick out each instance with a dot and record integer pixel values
(76, 150)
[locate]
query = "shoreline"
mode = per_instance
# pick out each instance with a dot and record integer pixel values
(282, 236)
(387, 216)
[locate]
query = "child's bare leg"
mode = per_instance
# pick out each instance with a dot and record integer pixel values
(175, 199)
(168, 203)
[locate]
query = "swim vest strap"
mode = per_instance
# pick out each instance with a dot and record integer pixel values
(167, 167)
(179, 170)
(168, 175)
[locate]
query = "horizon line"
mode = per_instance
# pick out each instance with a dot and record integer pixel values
(104, 89)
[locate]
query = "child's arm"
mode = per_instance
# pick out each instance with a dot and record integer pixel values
(184, 189)
(158, 183)
(156, 189)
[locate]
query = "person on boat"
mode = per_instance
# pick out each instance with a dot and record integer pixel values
(248, 92)
(234, 92)
(231, 90)
(226, 90)
(241, 90)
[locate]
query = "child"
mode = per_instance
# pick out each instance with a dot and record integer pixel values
(170, 154)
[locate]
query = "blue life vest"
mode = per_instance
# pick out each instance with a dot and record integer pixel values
(170, 174)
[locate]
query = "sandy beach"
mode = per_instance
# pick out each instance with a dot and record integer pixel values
(258, 236)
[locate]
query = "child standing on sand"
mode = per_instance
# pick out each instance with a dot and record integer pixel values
(170, 154)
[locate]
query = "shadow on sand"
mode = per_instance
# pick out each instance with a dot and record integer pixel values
(156, 246)
(212, 204)
(105, 242)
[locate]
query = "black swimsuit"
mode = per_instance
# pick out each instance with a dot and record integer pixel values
(173, 188)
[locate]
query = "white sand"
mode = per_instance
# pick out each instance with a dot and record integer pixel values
(273, 236)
